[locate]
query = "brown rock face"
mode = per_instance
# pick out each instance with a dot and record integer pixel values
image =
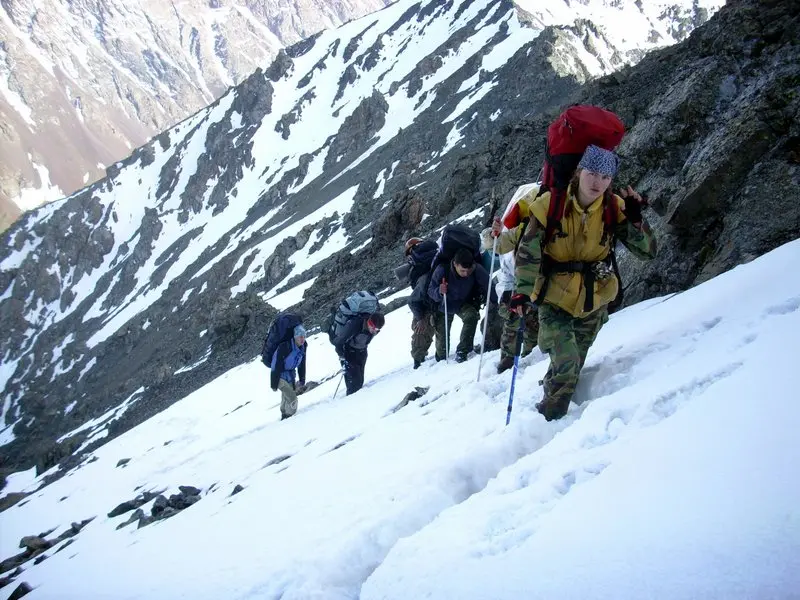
(89, 81)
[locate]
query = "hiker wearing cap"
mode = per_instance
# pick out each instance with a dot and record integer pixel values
(569, 274)
(463, 282)
(288, 356)
(351, 347)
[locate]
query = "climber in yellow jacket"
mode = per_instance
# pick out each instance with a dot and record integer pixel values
(570, 277)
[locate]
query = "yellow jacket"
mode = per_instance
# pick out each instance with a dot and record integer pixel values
(584, 243)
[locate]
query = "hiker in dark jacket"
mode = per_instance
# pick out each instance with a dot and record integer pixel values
(288, 356)
(351, 347)
(421, 305)
(463, 283)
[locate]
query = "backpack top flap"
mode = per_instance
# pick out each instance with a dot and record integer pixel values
(361, 303)
(569, 136)
(455, 236)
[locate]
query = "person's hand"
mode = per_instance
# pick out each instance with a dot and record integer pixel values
(443, 287)
(497, 227)
(519, 303)
(633, 205)
(343, 362)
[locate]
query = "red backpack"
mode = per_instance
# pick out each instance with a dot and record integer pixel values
(567, 139)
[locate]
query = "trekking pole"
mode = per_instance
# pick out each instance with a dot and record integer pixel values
(517, 352)
(337, 385)
(486, 314)
(446, 333)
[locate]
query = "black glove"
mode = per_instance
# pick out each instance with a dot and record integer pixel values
(633, 210)
(518, 300)
(343, 362)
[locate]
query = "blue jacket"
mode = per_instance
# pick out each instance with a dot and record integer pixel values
(285, 360)
(460, 290)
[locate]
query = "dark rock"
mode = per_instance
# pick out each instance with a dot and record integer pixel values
(64, 545)
(21, 590)
(33, 543)
(15, 561)
(160, 504)
(237, 489)
(189, 490)
(4, 581)
(40, 558)
(417, 392)
(123, 461)
(126, 506)
(137, 515)
(144, 521)
(168, 512)
(11, 499)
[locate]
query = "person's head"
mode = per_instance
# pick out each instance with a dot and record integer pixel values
(463, 262)
(595, 172)
(410, 243)
(375, 322)
(299, 335)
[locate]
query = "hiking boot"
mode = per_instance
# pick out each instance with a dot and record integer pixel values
(417, 363)
(551, 411)
(284, 416)
(461, 356)
(505, 364)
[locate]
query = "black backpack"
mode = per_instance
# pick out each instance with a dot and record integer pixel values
(420, 258)
(281, 330)
(455, 237)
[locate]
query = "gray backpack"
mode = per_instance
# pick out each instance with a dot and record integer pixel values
(357, 304)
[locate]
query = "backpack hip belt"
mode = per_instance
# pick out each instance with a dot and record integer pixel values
(591, 271)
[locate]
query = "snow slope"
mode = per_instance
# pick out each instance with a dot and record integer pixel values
(674, 478)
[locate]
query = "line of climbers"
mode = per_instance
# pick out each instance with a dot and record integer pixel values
(556, 279)
(350, 326)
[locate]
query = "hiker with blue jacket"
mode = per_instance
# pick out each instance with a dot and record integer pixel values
(463, 282)
(289, 356)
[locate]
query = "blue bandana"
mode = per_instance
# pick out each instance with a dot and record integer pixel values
(601, 161)
(299, 331)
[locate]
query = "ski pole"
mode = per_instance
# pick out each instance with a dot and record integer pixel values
(517, 352)
(338, 384)
(486, 314)
(446, 332)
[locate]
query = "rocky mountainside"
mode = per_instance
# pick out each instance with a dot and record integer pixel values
(83, 82)
(295, 187)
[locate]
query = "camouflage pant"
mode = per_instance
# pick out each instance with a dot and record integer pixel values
(469, 316)
(421, 341)
(508, 344)
(288, 398)
(567, 340)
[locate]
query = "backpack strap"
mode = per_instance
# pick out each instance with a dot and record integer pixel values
(555, 213)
